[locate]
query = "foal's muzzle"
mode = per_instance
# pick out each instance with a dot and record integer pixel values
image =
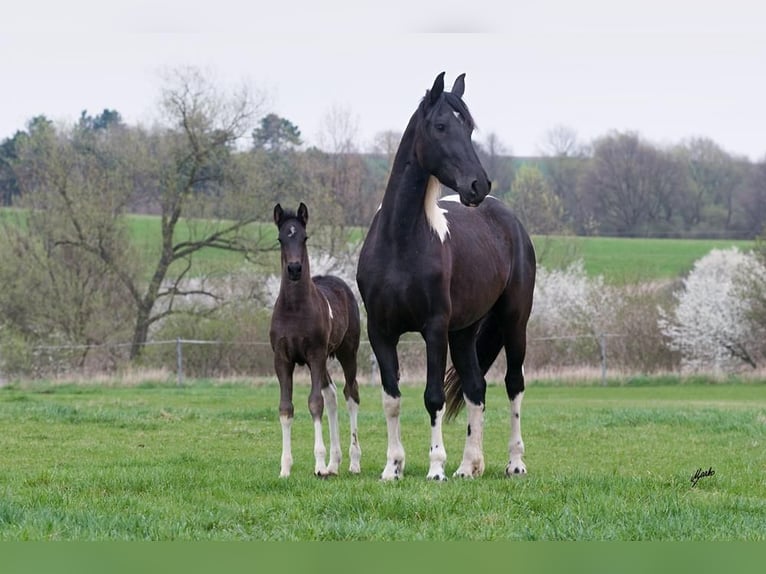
(294, 271)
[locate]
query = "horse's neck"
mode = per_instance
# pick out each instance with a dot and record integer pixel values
(403, 208)
(296, 294)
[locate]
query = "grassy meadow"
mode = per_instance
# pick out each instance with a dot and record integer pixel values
(153, 461)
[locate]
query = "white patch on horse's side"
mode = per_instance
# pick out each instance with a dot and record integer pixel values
(287, 456)
(472, 464)
(516, 445)
(394, 468)
(435, 214)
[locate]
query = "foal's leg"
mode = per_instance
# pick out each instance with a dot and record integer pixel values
(284, 370)
(463, 348)
(316, 408)
(388, 363)
(347, 359)
(436, 365)
(330, 396)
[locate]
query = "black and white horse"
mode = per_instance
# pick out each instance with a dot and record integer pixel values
(458, 270)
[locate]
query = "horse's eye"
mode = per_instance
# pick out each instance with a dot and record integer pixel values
(440, 127)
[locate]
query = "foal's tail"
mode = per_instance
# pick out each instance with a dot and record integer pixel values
(489, 341)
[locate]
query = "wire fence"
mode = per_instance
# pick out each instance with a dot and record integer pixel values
(204, 358)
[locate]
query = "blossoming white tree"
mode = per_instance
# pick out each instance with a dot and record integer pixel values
(710, 325)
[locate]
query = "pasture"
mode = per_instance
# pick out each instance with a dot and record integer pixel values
(152, 461)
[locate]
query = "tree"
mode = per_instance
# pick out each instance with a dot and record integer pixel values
(495, 158)
(566, 159)
(630, 187)
(710, 325)
(59, 287)
(536, 205)
(276, 134)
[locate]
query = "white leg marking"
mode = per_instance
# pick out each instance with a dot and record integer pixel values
(473, 454)
(354, 450)
(437, 454)
(330, 396)
(287, 455)
(516, 465)
(320, 452)
(395, 453)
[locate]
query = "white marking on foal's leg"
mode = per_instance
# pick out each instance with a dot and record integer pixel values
(395, 452)
(437, 454)
(286, 462)
(354, 450)
(516, 465)
(473, 454)
(320, 452)
(330, 396)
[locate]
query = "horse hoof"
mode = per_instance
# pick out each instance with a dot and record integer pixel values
(437, 477)
(354, 469)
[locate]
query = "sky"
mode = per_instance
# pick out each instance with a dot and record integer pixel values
(667, 69)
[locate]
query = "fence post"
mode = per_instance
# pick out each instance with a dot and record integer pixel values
(602, 346)
(179, 362)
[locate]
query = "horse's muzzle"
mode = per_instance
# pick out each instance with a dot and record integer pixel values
(476, 193)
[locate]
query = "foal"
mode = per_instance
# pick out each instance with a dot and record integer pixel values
(313, 319)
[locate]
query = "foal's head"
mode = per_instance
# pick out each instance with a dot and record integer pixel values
(292, 239)
(443, 142)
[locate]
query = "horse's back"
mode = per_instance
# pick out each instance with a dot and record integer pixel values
(343, 305)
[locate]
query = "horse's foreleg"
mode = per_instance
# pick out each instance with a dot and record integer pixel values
(330, 396)
(388, 362)
(434, 398)
(285, 375)
(316, 408)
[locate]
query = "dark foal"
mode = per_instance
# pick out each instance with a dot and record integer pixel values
(459, 270)
(313, 319)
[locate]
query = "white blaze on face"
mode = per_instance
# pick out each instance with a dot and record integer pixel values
(435, 214)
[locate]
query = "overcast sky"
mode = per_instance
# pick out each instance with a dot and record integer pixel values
(667, 69)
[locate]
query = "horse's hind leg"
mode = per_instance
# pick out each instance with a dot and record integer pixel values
(515, 348)
(466, 363)
(347, 359)
(330, 396)
(316, 408)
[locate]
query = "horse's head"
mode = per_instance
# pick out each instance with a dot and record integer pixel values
(443, 143)
(292, 239)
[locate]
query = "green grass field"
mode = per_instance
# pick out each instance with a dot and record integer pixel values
(157, 462)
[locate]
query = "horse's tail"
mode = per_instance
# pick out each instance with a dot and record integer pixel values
(489, 341)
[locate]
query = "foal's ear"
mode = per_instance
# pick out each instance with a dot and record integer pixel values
(303, 214)
(278, 212)
(436, 89)
(458, 88)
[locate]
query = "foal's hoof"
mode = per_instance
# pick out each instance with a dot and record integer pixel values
(441, 477)
(393, 471)
(516, 468)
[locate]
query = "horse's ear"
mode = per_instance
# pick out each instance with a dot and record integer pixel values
(278, 212)
(458, 88)
(436, 89)
(303, 214)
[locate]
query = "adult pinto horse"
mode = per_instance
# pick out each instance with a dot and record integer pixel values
(461, 273)
(313, 319)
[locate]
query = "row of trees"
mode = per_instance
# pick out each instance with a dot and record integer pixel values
(71, 275)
